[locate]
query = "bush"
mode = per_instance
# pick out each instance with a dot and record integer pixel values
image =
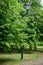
(40, 43)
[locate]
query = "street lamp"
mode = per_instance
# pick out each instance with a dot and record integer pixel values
(27, 6)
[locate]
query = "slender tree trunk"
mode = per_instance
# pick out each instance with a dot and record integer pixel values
(30, 48)
(35, 41)
(35, 47)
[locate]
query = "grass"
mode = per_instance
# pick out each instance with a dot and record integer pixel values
(14, 59)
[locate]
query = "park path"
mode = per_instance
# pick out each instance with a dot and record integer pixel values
(39, 61)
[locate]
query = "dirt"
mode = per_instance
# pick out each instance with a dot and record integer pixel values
(39, 61)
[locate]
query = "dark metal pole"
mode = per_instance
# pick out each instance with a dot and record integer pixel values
(22, 48)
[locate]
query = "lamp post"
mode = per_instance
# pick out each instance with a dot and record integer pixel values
(27, 6)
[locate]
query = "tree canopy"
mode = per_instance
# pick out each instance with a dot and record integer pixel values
(17, 27)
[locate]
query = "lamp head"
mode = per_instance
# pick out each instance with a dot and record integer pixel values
(27, 6)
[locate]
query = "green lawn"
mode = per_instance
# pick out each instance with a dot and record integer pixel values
(14, 59)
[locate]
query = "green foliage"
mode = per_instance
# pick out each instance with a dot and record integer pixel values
(11, 24)
(17, 27)
(40, 43)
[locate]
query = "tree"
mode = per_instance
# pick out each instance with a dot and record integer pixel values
(9, 21)
(11, 25)
(32, 20)
(18, 27)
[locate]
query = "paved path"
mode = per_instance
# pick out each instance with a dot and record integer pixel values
(39, 61)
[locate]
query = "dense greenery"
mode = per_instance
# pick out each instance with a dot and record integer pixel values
(18, 27)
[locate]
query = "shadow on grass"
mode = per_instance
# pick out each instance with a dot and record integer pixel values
(41, 51)
(7, 60)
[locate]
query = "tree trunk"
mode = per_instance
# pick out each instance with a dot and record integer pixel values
(30, 48)
(35, 47)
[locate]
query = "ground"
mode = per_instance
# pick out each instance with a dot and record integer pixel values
(35, 58)
(39, 61)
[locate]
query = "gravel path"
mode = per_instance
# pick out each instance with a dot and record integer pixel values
(39, 61)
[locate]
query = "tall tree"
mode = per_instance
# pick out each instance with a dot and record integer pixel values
(32, 21)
